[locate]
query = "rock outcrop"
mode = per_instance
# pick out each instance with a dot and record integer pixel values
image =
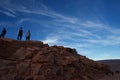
(33, 60)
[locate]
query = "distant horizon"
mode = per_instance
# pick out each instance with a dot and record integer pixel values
(107, 59)
(90, 26)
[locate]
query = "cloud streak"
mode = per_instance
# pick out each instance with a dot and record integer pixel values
(83, 39)
(7, 13)
(39, 9)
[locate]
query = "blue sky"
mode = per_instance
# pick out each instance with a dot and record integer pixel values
(90, 26)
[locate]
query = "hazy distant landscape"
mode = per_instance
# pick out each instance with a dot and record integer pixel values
(114, 65)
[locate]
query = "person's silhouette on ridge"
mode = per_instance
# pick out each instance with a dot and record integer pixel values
(20, 33)
(28, 34)
(2, 35)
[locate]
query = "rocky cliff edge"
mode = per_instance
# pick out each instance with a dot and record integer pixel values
(33, 60)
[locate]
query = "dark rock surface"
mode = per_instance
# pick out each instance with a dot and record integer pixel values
(33, 60)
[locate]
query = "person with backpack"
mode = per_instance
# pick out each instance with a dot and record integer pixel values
(20, 34)
(28, 34)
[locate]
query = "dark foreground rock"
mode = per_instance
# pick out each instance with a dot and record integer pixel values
(33, 60)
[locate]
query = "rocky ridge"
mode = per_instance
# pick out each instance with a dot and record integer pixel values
(33, 60)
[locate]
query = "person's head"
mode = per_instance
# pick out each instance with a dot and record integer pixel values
(20, 27)
(4, 28)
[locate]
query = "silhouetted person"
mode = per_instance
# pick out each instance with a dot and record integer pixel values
(28, 34)
(2, 35)
(20, 33)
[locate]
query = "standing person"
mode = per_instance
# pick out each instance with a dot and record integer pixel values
(20, 34)
(2, 35)
(28, 34)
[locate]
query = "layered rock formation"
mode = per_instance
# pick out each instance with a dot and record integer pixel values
(33, 60)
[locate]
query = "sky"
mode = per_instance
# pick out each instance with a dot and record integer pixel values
(92, 27)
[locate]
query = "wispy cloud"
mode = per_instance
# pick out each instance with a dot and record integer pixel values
(84, 38)
(28, 19)
(92, 24)
(8, 13)
(103, 56)
(114, 40)
(9, 10)
(52, 40)
(38, 8)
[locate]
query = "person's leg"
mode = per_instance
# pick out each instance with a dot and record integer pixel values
(29, 38)
(26, 38)
(3, 35)
(18, 37)
(0, 35)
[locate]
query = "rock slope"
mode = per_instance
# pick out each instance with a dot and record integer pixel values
(33, 60)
